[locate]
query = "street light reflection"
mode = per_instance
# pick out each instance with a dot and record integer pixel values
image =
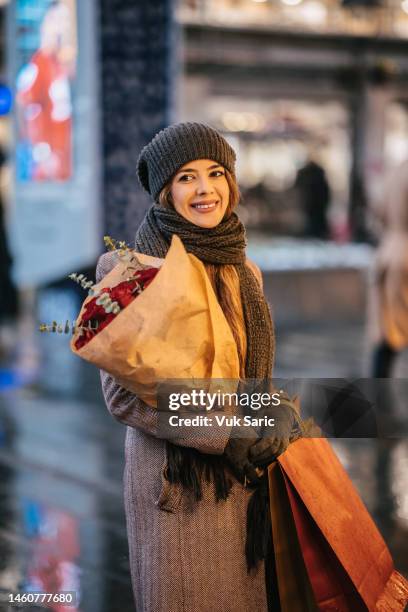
(54, 538)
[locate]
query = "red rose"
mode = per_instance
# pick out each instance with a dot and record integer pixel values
(94, 310)
(124, 293)
(145, 277)
(88, 334)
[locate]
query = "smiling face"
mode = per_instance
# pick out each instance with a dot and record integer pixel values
(200, 192)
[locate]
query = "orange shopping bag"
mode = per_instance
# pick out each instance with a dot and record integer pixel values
(347, 561)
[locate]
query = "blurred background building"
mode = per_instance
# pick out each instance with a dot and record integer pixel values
(312, 94)
(295, 85)
(296, 80)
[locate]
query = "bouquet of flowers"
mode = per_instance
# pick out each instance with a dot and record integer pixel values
(99, 311)
(151, 320)
(106, 302)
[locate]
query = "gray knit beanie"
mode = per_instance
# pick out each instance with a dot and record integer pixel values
(175, 146)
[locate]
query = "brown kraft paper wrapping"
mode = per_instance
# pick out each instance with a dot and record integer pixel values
(175, 329)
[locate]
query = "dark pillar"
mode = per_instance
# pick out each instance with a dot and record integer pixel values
(358, 194)
(137, 89)
(369, 102)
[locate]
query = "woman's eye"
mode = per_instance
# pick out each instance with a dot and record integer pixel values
(185, 178)
(217, 173)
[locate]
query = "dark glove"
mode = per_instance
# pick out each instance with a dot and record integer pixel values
(236, 453)
(248, 453)
(275, 439)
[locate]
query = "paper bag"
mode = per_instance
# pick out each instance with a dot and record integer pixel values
(295, 591)
(349, 565)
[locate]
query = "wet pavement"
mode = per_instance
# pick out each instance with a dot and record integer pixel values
(62, 524)
(61, 511)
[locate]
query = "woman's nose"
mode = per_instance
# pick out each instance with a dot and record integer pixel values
(204, 184)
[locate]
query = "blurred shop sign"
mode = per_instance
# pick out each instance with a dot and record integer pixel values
(5, 99)
(52, 66)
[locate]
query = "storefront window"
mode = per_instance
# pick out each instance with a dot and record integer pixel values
(290, 152)
(355, 17)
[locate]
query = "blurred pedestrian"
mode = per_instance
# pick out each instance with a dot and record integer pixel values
(388, 315)
(358, 210)
(313, 187)
(8, 293)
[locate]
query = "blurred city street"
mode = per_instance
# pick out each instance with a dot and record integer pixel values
(312, 97)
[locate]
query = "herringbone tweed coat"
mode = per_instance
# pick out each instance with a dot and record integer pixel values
(184, 556)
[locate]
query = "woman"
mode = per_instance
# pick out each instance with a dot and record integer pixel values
(389, 295)
(186, 513)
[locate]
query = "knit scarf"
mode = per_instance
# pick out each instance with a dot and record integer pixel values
(221, 245)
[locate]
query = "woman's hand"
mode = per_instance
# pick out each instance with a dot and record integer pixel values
(275, 439)
(249, 454)
(237, 454)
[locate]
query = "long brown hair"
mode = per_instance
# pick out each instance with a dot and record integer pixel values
(224, 278)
